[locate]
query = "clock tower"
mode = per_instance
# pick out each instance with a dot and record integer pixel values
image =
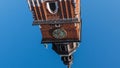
(60, 24)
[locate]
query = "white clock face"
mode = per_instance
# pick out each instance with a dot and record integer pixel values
(59, 33)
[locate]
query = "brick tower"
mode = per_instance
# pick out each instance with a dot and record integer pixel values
(60, 24)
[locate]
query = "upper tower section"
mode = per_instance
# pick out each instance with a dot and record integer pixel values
(55, 11)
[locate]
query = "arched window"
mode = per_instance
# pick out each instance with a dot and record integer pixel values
(52, 7)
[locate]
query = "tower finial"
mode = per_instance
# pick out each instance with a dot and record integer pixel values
(69, 66)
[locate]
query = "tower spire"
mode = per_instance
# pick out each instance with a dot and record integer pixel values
(69, 66)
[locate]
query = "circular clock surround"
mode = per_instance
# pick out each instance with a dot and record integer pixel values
(59, 33)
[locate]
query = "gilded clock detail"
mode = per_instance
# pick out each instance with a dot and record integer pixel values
(59, 33)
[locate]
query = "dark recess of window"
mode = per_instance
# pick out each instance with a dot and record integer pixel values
(71, 46)
(52, 6)
(63, 47)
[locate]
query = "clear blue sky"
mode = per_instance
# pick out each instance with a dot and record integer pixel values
(20, 41)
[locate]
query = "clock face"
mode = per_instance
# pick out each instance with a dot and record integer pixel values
(59, 33)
